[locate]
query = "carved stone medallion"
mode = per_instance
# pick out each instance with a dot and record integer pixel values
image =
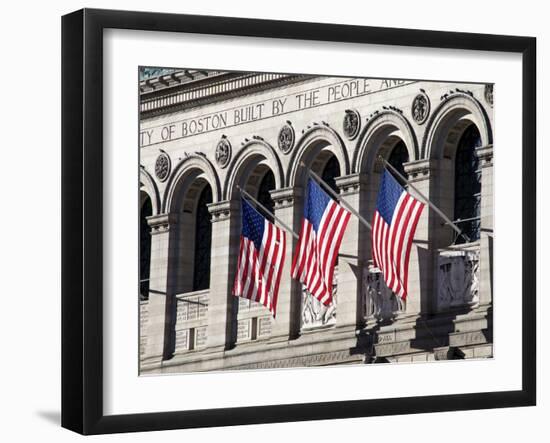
(489, 93)
(420, 108)
(286, 138)
(223, 152)
(352, 123)
(162, 166)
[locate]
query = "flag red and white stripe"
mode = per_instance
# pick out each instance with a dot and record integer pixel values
(395, 220)
(261, 259)
(323, 228)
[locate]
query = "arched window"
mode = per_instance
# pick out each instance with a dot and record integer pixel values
(264, 197)
(468, 184)
(398, 157)
(203, 241)
(330, 172)
(144, 248)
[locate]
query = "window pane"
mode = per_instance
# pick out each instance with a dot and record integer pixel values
(264, 197)
(468, 184)
(144, 249)
(203, 239)
(398, 157)
(331, 171)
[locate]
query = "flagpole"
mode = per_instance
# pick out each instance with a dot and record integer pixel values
(267, 211)
(426, 200)
(339, 198)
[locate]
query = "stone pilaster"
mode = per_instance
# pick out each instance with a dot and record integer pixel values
(161, 295)
(288, 208)
(421, 265)
(225, 226)
(485, 155)
(350, 265)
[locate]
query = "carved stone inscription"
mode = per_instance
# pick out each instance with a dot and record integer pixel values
(264, 326)
(143, 321)
(244, 330)
(182, 340)
(200, 336)
(458, 279)
(272, 107)
(192, 308)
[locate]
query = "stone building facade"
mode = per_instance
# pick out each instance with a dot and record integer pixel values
(205, 133)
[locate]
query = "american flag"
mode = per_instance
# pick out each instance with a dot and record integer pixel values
(393, 227)
(261, 259)
(322, 231)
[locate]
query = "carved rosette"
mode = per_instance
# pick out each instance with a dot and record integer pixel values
(488, 93)
(223, 152)
(420, 108)
(351, 123)
(378, 300)
(458, 279)
(162, 166)
(286, 138)
(314, 313)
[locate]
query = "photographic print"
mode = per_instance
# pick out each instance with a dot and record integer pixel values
(298, 220)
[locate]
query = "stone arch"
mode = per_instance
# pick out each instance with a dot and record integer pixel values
(147, 186)
(449, 120)
(314, 141)
(252, 154)
(444, 131)
(192, 168)
(380, 135)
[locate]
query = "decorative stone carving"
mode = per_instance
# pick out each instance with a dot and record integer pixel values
(351, 124)
(488, 93)
(221, 211)
(162, 223)
(458, 279)
(223, 152)
(314, 313)
(379, 301)
(286, 138)
(420, 108)
(285, 197)
(162, 166)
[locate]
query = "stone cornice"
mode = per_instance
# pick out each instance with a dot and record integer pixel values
(160, 84)
(350, 184)
(222, 210)
(210, 90)
(284, 198)
(419, 170)
(162, 222)
(485, 154)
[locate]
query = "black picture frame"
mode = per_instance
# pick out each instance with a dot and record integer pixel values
(82, 216)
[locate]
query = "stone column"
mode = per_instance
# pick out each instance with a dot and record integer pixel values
(223, 265)
(159, 327)
(408, 332)
(350, 264)
(288, 208)
(421, 297)
(485, 155)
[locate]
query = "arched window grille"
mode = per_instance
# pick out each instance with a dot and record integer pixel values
(330, 172)
(144, 248)
(468, 184)
(264, 197)
(203, 241)
(398, 157)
